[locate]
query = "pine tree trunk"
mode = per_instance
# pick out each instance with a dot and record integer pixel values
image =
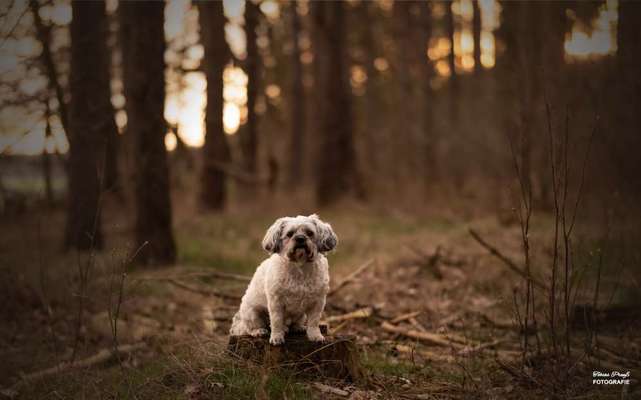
(216, 149)
(44, 37)
(336, 174)
(476, 32)
(451, 60)
(297, 140)
(249, 136)
(91, 122)
(143, 50)
(46, 158)
(430, 136)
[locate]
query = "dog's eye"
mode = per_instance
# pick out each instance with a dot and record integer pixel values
(290, 234)
(310, 233)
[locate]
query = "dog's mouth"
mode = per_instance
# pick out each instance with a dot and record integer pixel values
(300, 252)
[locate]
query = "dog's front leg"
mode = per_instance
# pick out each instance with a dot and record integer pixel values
(313, 318)
(276, 321)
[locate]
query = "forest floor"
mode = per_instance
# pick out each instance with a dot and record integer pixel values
(424, 274)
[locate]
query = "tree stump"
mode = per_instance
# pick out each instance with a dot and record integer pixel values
(337, 357)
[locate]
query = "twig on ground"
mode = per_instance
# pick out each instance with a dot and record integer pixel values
(506, 260)
(417, 324)
(333, 331)
(431, 338)
(330, 389)
(428, 355)
(203, 292)
(199, 274)
(497, 323)
(451, 318)
(405, 317)
(364, 312)
(102, 356)
(351, 277)
(475, 349)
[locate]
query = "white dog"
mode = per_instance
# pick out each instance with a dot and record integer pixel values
(289, 288)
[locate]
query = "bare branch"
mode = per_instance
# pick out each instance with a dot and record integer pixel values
(506, 260)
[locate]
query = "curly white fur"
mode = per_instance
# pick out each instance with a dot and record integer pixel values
(288, 290)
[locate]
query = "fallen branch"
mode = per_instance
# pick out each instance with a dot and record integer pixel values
(203, 292)
(102, 356)
(405, 317)
(417, 324)
(203, 274)
(428, 355)
(451, 318)
(475, 349)
(351, 277)
(364, 312)
(498, 324)
(506, 260)
(431, 338)
(330, 389)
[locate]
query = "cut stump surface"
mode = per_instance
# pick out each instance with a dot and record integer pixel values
(336, 357)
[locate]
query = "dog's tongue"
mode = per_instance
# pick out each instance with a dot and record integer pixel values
(300, 253)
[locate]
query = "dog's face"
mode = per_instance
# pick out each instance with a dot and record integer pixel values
(300, 238)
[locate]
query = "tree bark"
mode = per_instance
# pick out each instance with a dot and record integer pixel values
(336, 174)
(143, 50)
(216, 149)
(249, 135)
(297, 140)
(629, 90)
(44, 37)
(430, 136)
(476, 31)
(46, 158)
(91, 121)
(451, 61)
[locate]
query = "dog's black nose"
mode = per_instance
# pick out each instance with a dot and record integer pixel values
(300, 238)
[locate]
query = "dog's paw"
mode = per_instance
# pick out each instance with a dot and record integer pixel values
(277, 339)
(258, 332)
(314, 335)
(297, 329)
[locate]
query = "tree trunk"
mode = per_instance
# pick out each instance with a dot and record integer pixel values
(629, 90)
(143, 50)
(216, 149)
(91, 121)
(451, 61)
(249, 135)
(44, 37)
(430, 137)
(46, 158)
(336, 158)
(297, 140)
(476, 31)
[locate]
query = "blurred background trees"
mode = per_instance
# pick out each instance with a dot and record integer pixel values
(380, 102)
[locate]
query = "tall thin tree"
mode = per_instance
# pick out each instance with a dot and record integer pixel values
(450, 25)
(216, 153)
(336, 173)
(249, 135)
(143, 47)
(476, 33)
(91, 123)
(297, 140)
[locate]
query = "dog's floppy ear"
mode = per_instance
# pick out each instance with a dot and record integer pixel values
(272, 239)
(326, 237)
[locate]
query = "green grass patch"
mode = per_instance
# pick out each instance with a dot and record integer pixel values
(242, 383)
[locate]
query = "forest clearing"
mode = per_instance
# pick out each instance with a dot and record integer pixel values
(419, 275)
